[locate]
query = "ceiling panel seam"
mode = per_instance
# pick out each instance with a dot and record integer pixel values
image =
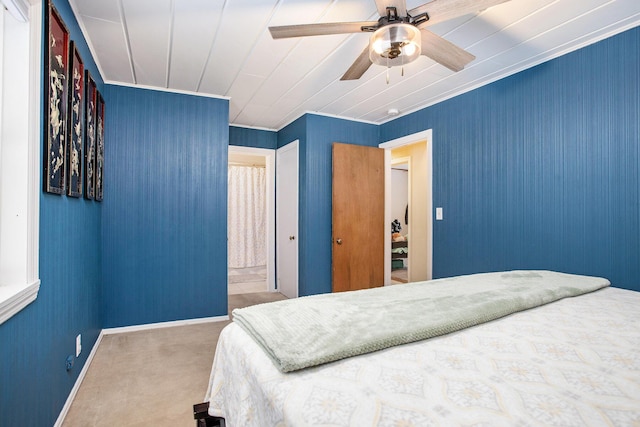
(255, 43)
(168, 90)
(536, 36)
(85, 34)
(172, 6)
(213, 43)
(123, 19)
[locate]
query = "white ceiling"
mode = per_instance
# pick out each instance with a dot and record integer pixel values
(223, 48)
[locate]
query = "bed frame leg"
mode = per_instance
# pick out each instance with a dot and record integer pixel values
(202, 417)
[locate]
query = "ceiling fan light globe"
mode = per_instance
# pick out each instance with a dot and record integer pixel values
(379, 46)
(395, 44)
(409, 49)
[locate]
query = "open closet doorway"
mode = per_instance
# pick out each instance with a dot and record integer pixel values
(251, 220)
(414, 242)
(400, 231)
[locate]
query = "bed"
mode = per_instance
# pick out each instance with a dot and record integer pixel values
(574, 360)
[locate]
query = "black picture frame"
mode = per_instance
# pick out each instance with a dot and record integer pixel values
(99, 148)
(76, 123)
(56, 101)
(91, 98)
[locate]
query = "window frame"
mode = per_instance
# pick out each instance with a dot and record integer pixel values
(20, 166)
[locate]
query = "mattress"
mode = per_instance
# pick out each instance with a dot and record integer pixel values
(572, 362)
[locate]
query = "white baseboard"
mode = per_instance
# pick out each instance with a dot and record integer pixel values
(76, 386)
(134, 328)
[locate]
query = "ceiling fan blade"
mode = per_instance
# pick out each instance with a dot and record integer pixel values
(286, 31)
(444, 52)
(400, 5)
(443, 10)
(358, 68)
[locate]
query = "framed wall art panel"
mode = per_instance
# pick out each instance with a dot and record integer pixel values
(76, 123)
(99, 147)
(91, 98)
(56, 101)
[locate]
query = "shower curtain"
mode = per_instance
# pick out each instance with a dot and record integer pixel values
(247, 217)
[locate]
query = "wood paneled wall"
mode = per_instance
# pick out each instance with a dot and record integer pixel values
(541, 170)
(165, 207)
(35, 343)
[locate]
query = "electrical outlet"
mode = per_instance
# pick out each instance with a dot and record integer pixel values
(78, 344)
(69, 362)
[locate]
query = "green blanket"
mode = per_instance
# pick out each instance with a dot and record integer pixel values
(310, 331)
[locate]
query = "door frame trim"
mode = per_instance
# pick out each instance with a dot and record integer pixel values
(427, 136)
(270, 161)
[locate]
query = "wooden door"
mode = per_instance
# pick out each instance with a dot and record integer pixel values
(358, 217)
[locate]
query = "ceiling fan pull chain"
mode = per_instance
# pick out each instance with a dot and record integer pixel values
(388, 70)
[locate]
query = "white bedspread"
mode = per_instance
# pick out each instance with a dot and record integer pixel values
(575, 362)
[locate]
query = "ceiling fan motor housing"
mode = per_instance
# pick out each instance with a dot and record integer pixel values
(395, 44)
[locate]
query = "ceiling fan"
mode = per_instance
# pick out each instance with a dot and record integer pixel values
(400, 35)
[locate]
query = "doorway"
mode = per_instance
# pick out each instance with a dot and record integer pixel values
(416, 150)
(400, 231)
(251, 220)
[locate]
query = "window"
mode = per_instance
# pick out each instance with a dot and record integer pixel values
(20, 129)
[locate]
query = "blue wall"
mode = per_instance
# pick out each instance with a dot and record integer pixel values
(35, 342)
(540, 170)
(255, 138)
(165, 207)
(294, 130)
(316, 135)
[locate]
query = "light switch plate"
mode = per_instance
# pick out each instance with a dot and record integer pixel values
(439, 214)
(78, 345)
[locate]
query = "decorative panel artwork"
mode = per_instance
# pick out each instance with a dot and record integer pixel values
(99, 162)
(56, 101)
(91, 98)
(76, 123)
(74, 117)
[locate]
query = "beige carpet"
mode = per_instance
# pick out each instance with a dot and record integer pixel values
(152, 377)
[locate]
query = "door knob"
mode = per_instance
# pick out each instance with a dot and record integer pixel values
(292, 237)
(339, 241)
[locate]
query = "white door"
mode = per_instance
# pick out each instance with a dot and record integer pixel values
(287, 219)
